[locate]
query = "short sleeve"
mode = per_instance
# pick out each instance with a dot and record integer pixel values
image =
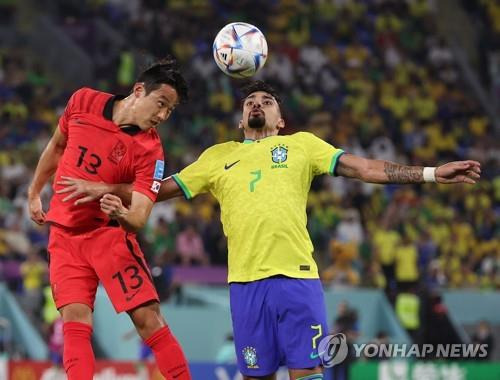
(70, 108)
(324, 156)
(150, 168)
(195, 178)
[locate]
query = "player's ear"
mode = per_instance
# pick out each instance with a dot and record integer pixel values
(281, 123)
(139, 89)
(240, 124)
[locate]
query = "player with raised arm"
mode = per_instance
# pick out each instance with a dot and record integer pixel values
(110, 139)
(262, 185)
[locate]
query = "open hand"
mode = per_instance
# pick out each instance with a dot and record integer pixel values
(85, 191)
(459, 172)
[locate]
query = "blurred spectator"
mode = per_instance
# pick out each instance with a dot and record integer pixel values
(189, 247)
(346, 323)
(408, 312)
(484, 335)
(341, 273)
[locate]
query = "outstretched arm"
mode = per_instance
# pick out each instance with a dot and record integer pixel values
(380, 171)
(45, 169)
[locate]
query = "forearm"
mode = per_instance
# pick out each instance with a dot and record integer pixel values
(47, 166)
(122, 190)
(131, 221)
(391, 172)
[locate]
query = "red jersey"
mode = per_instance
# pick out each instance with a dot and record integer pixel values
(98, 150)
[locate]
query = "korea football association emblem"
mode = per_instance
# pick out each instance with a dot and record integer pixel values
(250, 357)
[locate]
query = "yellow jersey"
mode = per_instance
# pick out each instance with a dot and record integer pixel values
(262, 188)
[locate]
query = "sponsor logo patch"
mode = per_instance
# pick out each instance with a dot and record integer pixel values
(159, 169)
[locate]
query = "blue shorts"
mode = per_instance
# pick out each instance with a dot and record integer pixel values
(277, 321)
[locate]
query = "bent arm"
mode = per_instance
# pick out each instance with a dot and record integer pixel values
(47, 164)
(131, 219)
(88, 191)
(381, 171)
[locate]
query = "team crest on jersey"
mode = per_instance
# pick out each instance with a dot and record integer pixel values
(117, 152)
(250, 357)
(279, 155)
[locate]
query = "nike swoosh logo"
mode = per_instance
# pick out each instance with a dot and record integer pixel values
(315, 356)
(226, 166)
(129, 298)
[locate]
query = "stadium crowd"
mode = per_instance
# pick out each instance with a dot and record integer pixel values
(372, 77)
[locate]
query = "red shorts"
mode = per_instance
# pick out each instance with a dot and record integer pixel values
(78, 261)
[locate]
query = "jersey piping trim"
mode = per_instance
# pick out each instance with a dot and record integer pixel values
(182, 186)
(335, 160)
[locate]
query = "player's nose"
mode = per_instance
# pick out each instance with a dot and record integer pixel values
(162, 115)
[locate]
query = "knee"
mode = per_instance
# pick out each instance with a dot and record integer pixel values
(147, 319)
(77, 312)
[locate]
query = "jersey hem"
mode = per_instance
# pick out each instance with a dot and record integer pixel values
(312, 276)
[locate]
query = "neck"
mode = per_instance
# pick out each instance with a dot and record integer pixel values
(259, 133)
(123, 112)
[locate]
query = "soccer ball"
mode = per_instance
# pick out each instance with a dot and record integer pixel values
(240, 49)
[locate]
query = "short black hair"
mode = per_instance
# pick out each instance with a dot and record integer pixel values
(259, 85)
(165, 71)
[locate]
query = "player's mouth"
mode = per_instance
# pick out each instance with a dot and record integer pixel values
(256, 112)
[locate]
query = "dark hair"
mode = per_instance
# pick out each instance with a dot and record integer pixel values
(165, 71)
(259, 85)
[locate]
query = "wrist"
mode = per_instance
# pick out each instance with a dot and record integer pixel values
(33, 194)
(429, 174)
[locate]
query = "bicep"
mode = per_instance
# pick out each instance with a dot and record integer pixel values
(58, 140)
(169, 189)
(352, 166)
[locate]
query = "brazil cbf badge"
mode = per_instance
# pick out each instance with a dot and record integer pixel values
(159, 169)
(250, 357)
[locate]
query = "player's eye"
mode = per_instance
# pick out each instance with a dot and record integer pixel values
(268, 102)
(161, 104)
(249, 103)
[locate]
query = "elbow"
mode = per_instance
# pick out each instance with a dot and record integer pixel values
(132, 226)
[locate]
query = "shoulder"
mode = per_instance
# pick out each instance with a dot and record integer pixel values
(219, 149)
(87, 99)
(148, 141)
(304, 136)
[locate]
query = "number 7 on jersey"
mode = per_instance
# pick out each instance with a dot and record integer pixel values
(256, 178)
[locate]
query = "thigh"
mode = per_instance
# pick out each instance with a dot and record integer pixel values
(255, 329)
(122, 269)
(72, 278)
(303, 322)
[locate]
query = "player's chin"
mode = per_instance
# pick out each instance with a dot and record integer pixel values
(256, 121)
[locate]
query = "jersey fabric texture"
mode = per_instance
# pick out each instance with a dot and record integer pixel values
(262, 188)
(98, 150)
